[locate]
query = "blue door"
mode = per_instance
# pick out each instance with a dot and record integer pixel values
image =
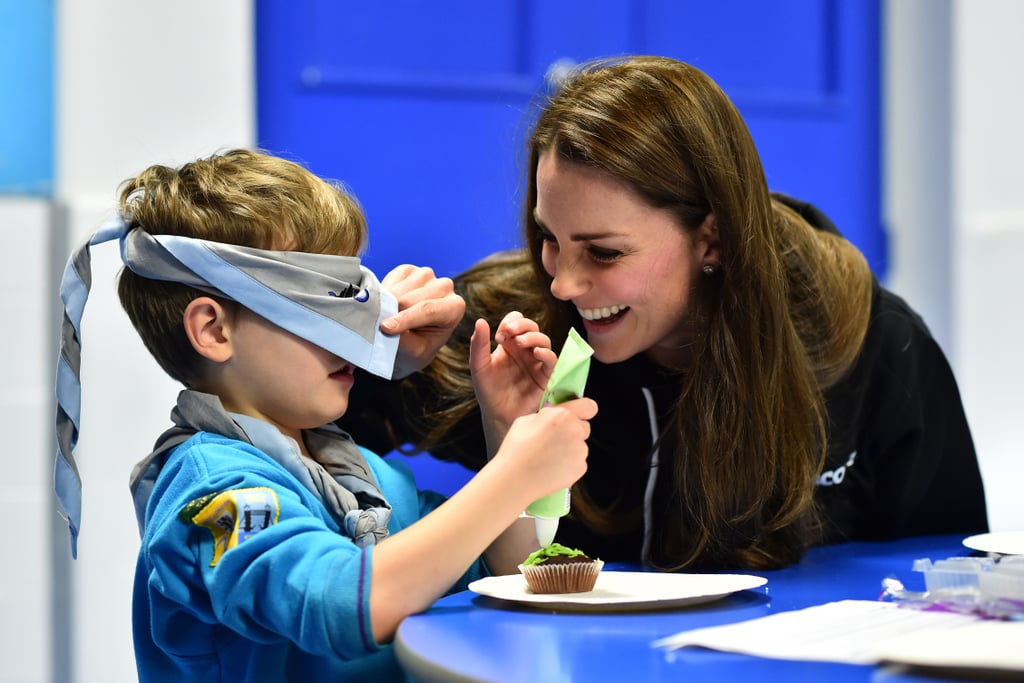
(422, 111)
(26, 94)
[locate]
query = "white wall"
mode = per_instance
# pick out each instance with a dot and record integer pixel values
(142, 82)
(988, 241)
(138, 83)
(956, 211)
(26, 392)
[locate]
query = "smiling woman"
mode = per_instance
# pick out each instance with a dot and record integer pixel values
(605, 248)
(743, 349)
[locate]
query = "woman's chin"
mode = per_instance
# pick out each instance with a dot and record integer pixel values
(609, 354)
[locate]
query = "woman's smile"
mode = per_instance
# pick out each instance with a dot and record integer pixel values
(602, 315)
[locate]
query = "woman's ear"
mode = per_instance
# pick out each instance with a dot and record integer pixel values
(709, 245)
(207, 325)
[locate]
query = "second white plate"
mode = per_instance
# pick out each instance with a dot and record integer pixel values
(1001, 542)
(623, 590)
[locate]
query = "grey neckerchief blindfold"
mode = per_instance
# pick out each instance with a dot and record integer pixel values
(331, 301)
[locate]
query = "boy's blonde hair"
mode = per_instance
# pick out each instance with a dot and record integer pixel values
(240, 197)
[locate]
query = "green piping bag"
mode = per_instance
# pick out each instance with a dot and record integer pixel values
(566, 383)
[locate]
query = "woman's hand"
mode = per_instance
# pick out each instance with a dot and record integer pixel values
(428, 311)
(510, 380)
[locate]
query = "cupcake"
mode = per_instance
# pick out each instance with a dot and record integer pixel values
(557, 569)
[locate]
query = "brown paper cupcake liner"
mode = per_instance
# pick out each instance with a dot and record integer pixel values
(576, 577)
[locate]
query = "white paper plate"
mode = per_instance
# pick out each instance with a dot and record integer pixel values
(1001, 542)
(623, 590)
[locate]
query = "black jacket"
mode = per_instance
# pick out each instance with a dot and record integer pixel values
(900, 462)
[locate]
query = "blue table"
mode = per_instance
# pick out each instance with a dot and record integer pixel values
(468, 637)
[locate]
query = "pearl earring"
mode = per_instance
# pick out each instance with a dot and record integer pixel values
(708, 269)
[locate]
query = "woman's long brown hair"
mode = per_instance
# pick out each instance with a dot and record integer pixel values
(782, 319)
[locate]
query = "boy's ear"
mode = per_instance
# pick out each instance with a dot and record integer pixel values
(708, 241)
(207, 325)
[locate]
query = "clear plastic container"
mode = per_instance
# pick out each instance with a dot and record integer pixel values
(957, 576)
(1005, 581)
(984, 586)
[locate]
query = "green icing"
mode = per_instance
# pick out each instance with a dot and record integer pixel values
(553, 550)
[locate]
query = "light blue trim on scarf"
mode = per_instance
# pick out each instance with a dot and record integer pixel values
(331, 301)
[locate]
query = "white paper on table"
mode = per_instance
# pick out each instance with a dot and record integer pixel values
(866, 632)
(982, 645)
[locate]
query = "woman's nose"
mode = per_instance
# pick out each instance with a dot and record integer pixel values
(568, 281)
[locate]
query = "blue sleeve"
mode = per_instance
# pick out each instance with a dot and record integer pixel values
(410, 504)
(298, 579)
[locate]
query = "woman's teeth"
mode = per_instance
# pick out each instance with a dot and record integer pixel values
(600, 313)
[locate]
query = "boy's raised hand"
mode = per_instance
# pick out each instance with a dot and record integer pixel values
(510, 380)
(547, 450)
(428, 311)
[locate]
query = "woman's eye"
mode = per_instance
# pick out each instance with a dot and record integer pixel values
(604, 255)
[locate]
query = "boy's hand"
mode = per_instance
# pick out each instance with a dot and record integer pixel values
(548, 449)
(428, 311)
(509, 381)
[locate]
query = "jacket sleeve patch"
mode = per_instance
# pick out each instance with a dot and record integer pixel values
(233, 516)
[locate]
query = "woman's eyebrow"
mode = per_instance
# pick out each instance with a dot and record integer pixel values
(590, 236)
(579, 237)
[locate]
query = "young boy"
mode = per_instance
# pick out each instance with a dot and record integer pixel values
(274, 548)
